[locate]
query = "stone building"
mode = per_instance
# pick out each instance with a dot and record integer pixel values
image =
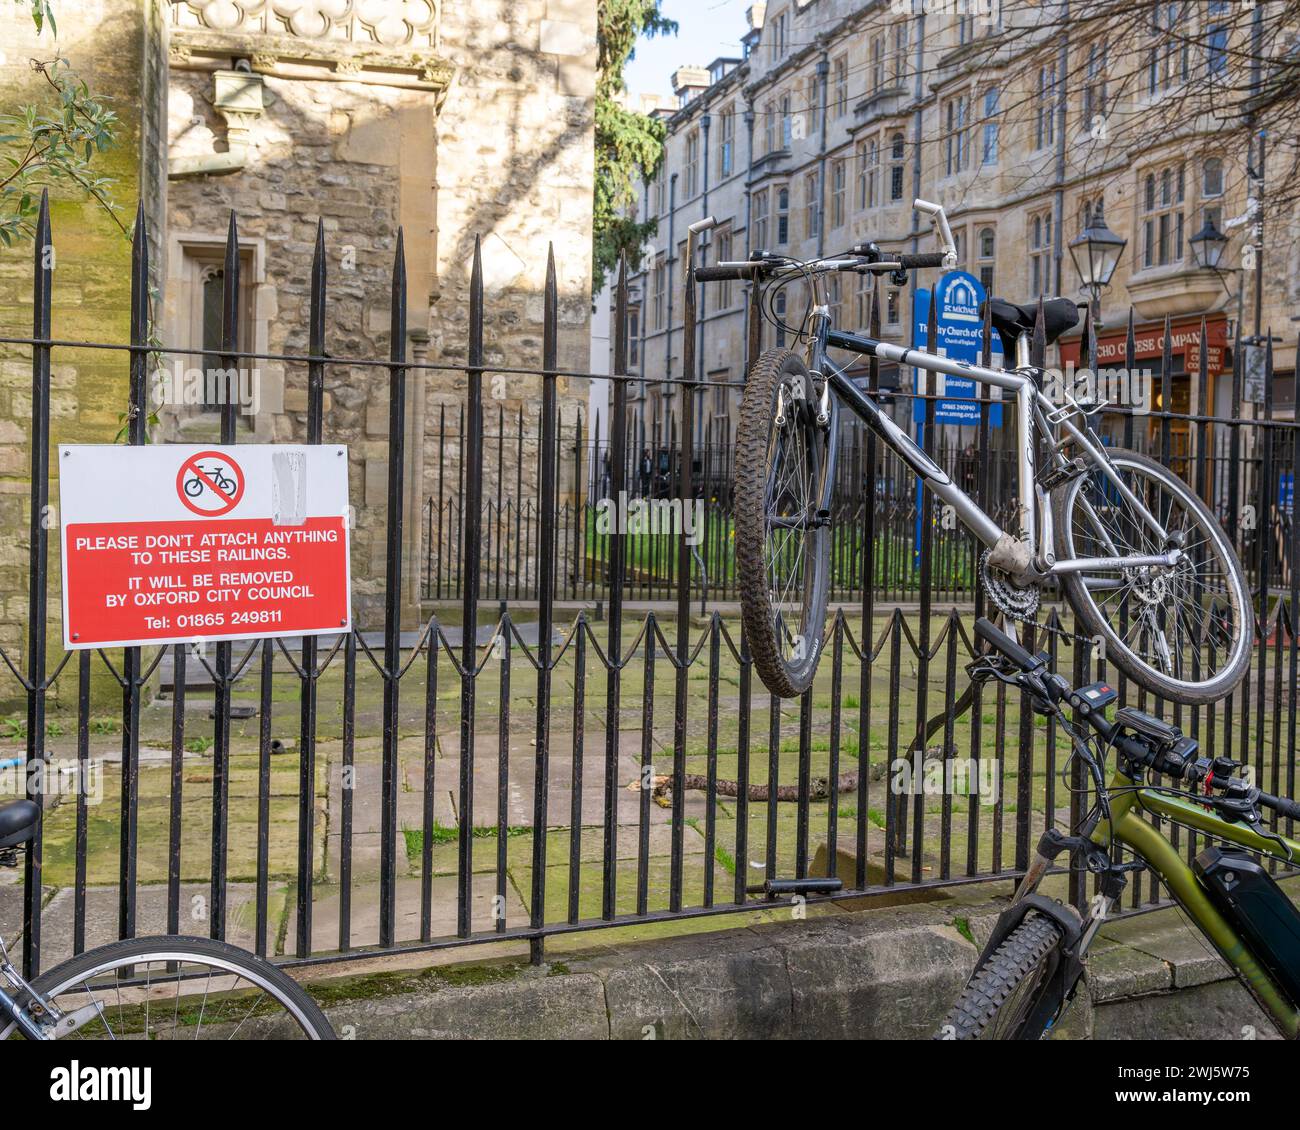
(838, 113)
(452, 119)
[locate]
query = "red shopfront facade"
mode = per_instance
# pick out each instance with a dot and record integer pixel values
(1185, 353)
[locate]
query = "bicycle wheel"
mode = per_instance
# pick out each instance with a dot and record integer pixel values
(180, 988)
(998, 1001)
(1183, 631)
(782, 549)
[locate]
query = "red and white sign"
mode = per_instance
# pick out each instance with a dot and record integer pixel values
(176, 543)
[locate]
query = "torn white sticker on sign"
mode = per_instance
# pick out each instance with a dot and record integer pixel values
(288, 488)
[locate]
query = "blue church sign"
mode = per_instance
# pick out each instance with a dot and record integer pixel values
(960, 335)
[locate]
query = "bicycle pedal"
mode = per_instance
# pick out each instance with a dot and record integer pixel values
(1052, 477)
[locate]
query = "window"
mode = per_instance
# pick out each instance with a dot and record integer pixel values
(778, 308)
(206, 277)
(787, 122)
(782, 216)
(956, 142)
(1045, 107)
(722, 254)
(633, 337)
(839, 175)
(892, 307)
(1089, 210)
(659, 283)
(721, 393)
(1216, 38)
(759, 238)
(1162, 217)
(1212, 177)
(899, 60)
(840, 71)
(726, 141)
(1211, 190)
(868, 173)
(835, 298)
(780, 28)
(985, 247)
(660, 177)
(897, 148)
(769, 128)
(1094, 86)
(1169, 54)
(959, 246)
(813, 100)
(862, 301)
(965, 25)
(812, 205)
(1040, 254)
(692, 163)
(877, 63)
(989, 146)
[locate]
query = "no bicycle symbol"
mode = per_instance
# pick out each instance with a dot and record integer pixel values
(210, 483)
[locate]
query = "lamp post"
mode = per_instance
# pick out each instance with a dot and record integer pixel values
(1096, 253)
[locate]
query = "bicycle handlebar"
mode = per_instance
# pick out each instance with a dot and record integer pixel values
(916, 262)
(1284, 806)
(756, 268)
(729, 272)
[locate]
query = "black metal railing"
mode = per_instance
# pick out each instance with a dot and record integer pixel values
(476, 772)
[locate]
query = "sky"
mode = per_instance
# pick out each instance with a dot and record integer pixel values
(706, 30)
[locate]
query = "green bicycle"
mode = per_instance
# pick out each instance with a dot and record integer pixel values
(1033, 963)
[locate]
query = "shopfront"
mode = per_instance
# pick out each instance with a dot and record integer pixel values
(1142, 387)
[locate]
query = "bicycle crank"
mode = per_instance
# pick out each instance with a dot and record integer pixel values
(1015, 601)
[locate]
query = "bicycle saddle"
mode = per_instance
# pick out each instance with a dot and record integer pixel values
(1010, 320)
(17, 822)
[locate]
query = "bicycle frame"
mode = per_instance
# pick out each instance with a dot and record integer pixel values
(1031, 548)
(1127, 827)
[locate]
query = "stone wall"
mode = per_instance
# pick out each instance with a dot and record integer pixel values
(448, 120)
(478, 124)
(110, 46)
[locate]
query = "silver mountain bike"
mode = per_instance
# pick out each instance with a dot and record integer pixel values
(1145, 565)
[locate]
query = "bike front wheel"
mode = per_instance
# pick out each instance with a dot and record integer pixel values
(999, 1001)
(1182, 631)
(179, 988)
(782, 543)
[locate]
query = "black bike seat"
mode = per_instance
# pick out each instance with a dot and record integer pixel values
(1010, 320)
(17, 822)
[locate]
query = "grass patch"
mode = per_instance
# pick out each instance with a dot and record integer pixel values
(442, 834)
(724, 857)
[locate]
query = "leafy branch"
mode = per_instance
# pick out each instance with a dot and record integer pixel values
(53, 144)
(629, 145)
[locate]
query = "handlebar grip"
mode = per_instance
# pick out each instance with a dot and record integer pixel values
(1000, 641)
(913, 262)
(723, 274)
(1282, 805)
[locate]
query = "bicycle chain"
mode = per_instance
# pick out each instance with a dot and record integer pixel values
(1020, 604)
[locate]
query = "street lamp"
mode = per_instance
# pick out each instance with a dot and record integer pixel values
(1208, 246)
(1096, 253)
